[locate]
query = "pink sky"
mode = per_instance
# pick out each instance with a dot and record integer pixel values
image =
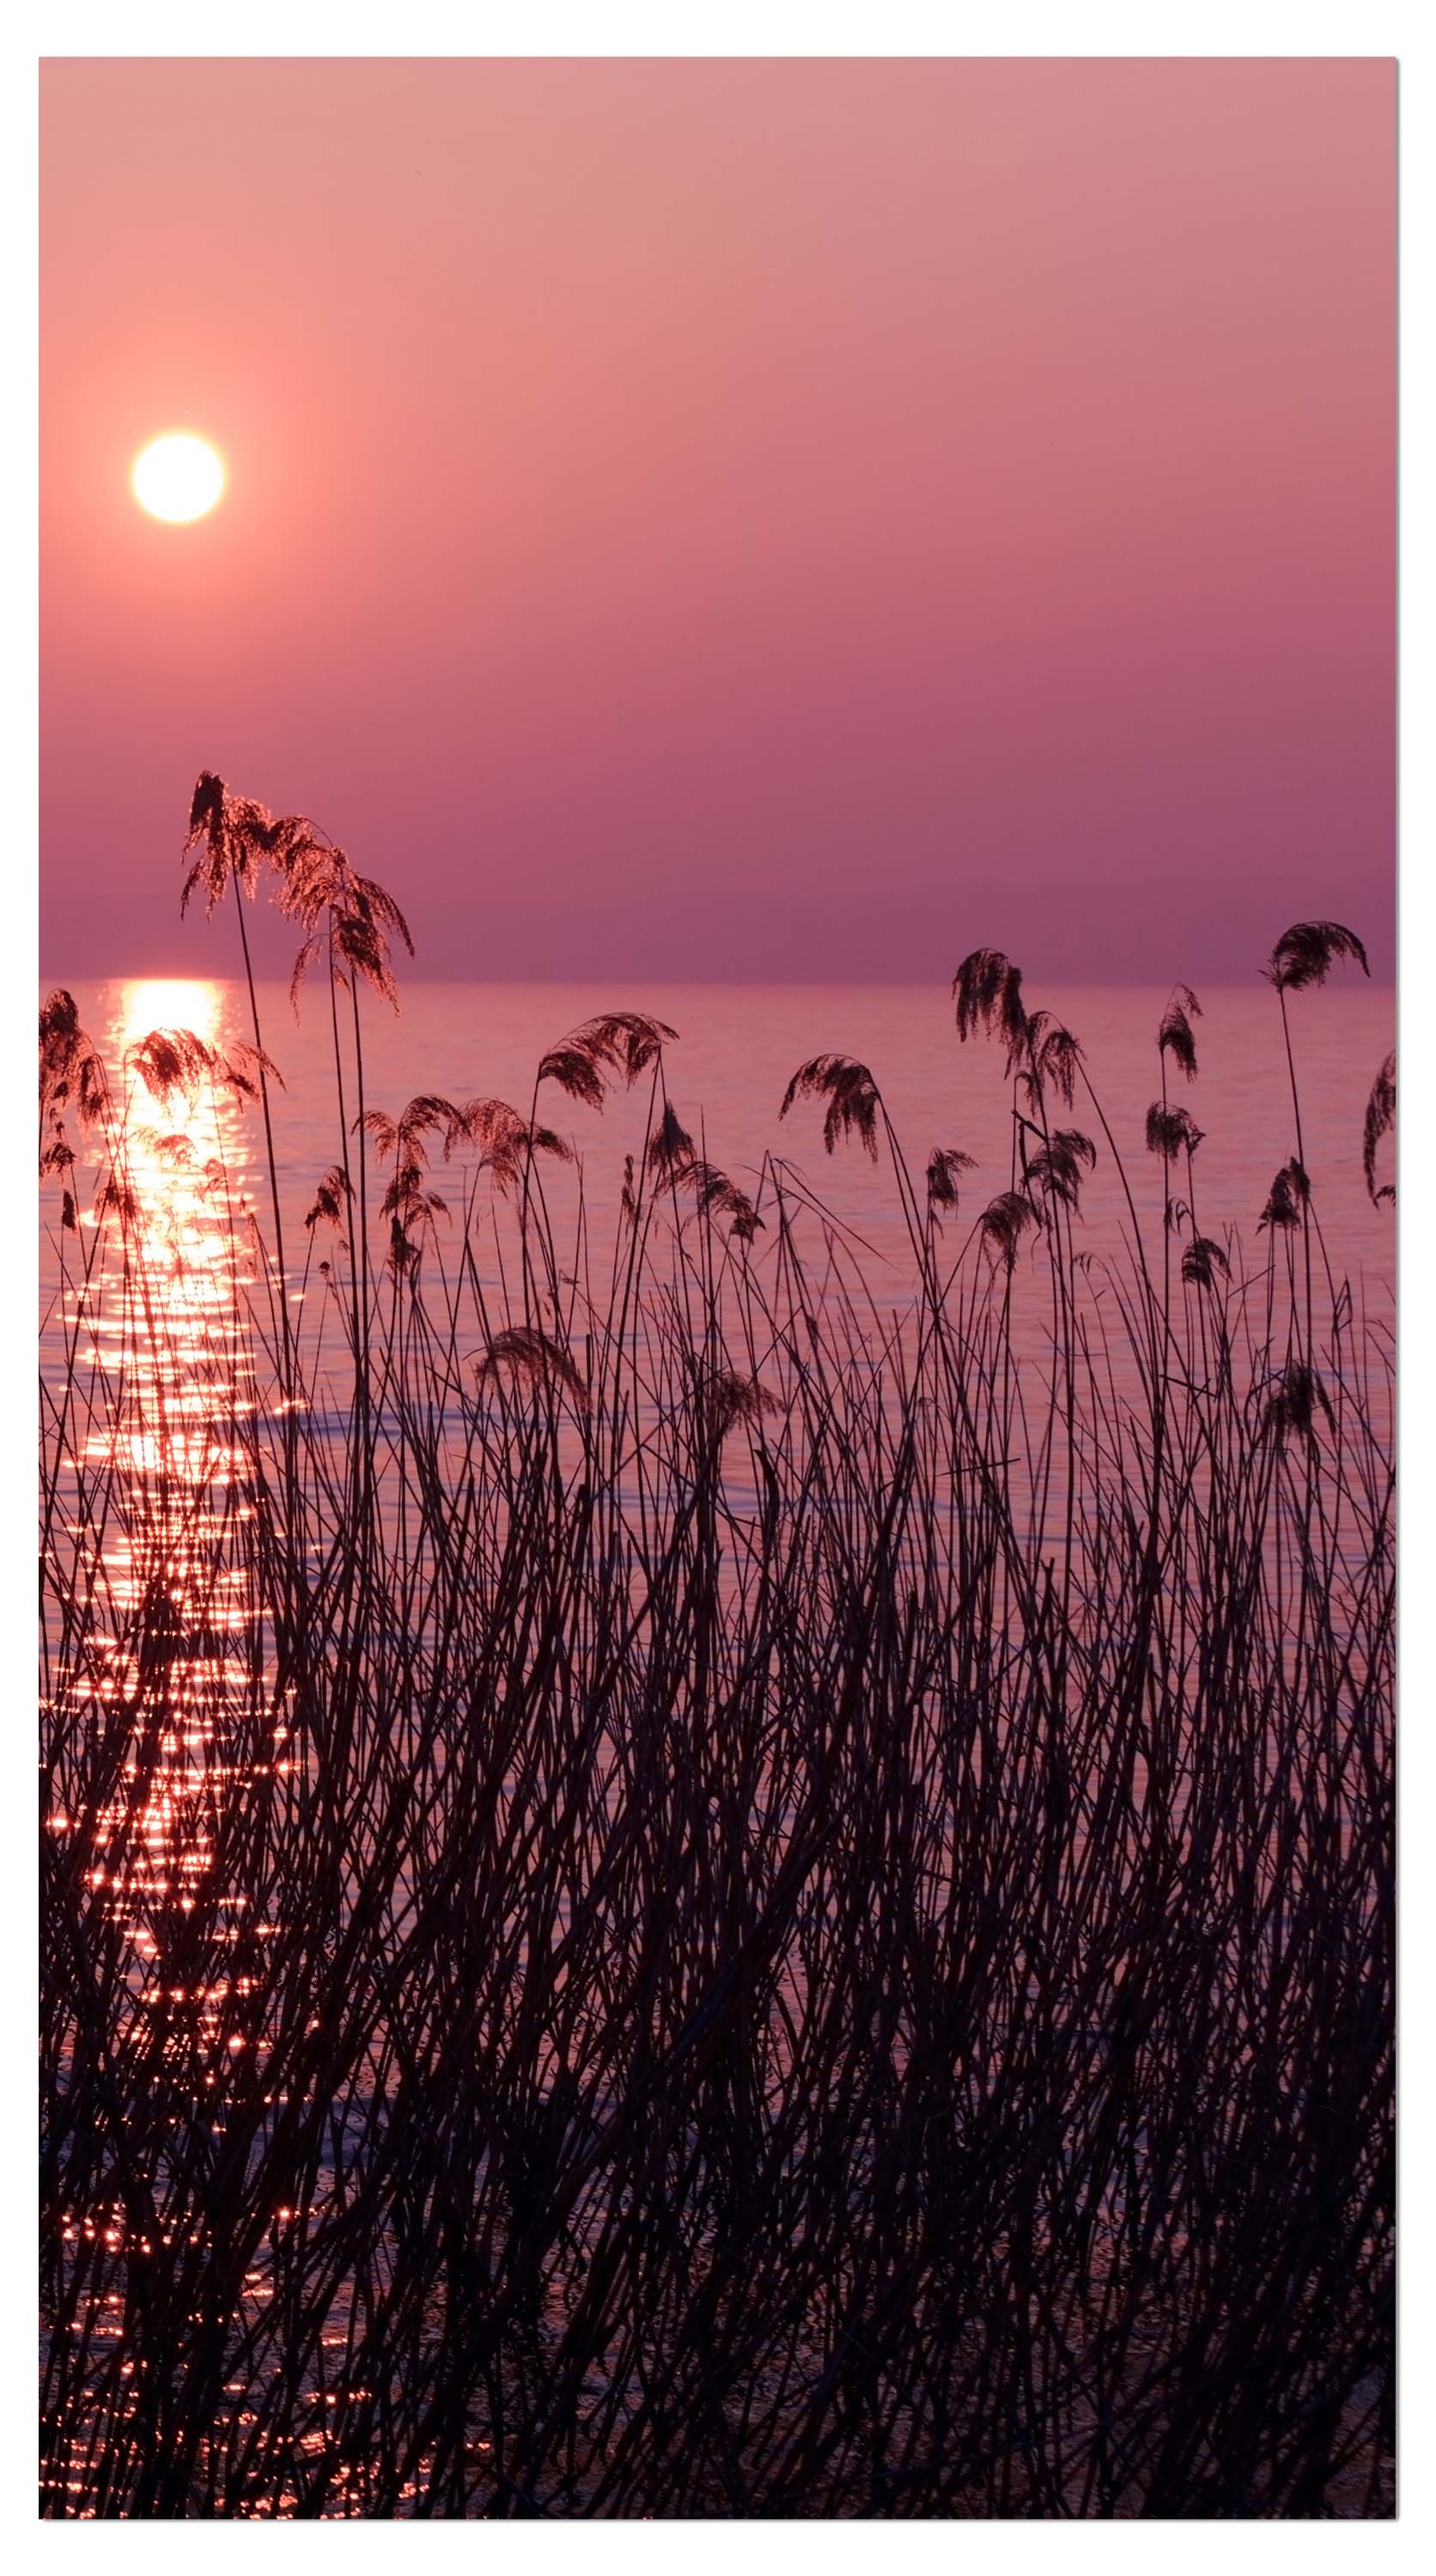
(769, 520)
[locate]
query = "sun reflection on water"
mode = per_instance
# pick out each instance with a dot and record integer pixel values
(176, 1679)
(164, 1315)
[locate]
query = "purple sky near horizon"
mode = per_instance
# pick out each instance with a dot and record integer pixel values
(752, 520)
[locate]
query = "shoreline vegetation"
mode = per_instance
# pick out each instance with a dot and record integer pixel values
(664, 1894)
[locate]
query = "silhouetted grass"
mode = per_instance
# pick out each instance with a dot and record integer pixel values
(668, 1894)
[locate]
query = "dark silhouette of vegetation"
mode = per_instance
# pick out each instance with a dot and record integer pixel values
(663, 1894)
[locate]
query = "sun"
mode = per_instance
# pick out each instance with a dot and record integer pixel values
(177, 477)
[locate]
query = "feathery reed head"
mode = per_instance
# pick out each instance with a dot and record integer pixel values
(1175, 1037)
(944, 1165)
(617, 1044)
(118, 1199)
(331, 1197)
(1286, 1198)
(1171, 1132)
(628, 1042)
(505, 1140)
(852, 1096)
(1380, 1116)
(318, 881)
(1003, 1223)
(1060, 1165)
(71, 1069)
(1306, 953)
(60, 1029)
(176, 1064)
(575, 1072)
(716, 1196)
(359, 931)
(244, 1070)
(987, 990)
(1202, 1260)
(235, 837)
(1293, 1407)
(502, 1137)
(525, 1354)
(670, 1147)
(356, 918)
(1051, 1056)
(725, 1399)
(406, 1136)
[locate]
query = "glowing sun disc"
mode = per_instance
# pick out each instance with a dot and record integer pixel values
(178, 477)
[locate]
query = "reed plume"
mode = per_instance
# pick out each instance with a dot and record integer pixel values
(71, 1068)
(331, 1199)
(1287, 1199)
(670, 1147)
(945, 1166)
(1004, 1222)
(1060, 1165)
(1293, 1407)
(1171, 1132)
(851, 1094)
(1176, 1037)
(1203, 1261)
(1380, 1118)
(987, 990)
(726, 1399)
(617, 1044)
(1051, 1058)
(715, 1195)
(1306, 953)
(526, 1354)
(505, 1139)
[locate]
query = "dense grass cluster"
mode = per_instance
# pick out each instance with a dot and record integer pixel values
(668, 1894)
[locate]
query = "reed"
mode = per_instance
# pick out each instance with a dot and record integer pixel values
(667, 1892)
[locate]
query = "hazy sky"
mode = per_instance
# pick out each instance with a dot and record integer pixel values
(746, 519)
